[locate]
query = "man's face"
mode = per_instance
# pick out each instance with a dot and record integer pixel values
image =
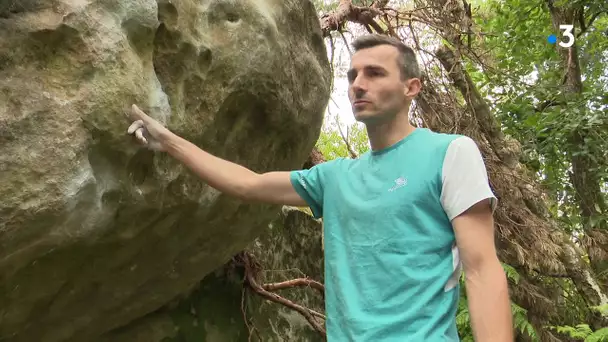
(376, 90)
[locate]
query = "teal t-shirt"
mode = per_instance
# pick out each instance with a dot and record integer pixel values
(389, 244)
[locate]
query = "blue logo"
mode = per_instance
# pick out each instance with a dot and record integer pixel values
(552, 39)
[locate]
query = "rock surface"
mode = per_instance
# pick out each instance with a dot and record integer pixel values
(290, 248)
(96, 232)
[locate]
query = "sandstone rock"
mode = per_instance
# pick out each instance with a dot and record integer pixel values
(290, 248)
(96, 232)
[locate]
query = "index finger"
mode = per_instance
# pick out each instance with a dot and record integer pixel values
(136, 114)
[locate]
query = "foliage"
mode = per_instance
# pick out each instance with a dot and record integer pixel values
(520, 315)
(332, 141)
(533, 105)
(326, 6)
(583, 332)
(538, 106)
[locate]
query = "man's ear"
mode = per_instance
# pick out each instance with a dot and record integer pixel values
(413, 87)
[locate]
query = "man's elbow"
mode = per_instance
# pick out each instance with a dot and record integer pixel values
(249, 189)
(483, 266)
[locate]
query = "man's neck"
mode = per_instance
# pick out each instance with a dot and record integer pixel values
(389, 133)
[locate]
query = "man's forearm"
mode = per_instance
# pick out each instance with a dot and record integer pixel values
(489, 304)
(223, 175)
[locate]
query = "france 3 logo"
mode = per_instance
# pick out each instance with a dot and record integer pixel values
(568, 34)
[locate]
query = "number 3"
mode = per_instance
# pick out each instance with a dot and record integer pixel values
(568, 33)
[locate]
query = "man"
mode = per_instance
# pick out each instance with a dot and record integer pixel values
(399, 221)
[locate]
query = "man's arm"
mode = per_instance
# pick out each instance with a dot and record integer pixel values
(227, 177)
(469, 203)
(486, 283)
(233, 179)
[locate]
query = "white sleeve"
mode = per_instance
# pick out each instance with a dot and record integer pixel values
(465, 179)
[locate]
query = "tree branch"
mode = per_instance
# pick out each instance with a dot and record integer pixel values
(588, 25)
(477, 104)
(378, 4)
(247, 260)
(547, 104)
(305, 282)
(346, 11)
(334, 21)
(352, 152)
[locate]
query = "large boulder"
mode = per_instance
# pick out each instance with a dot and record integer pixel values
(95, 231)
(217, 308)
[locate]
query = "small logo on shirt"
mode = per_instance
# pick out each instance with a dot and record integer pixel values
(399, 182)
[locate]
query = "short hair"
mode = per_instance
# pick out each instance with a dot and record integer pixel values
(408, 64)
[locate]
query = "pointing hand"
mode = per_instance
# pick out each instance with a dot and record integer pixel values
(148, 131)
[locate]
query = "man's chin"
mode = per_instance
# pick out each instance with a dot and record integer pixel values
(363, 116)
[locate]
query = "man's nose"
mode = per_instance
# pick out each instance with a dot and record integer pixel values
(358, 86)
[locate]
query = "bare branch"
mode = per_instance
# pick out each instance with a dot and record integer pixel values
(346, 11)
(247, 260)
(305, 282)
(588, 25)
(350, 149)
